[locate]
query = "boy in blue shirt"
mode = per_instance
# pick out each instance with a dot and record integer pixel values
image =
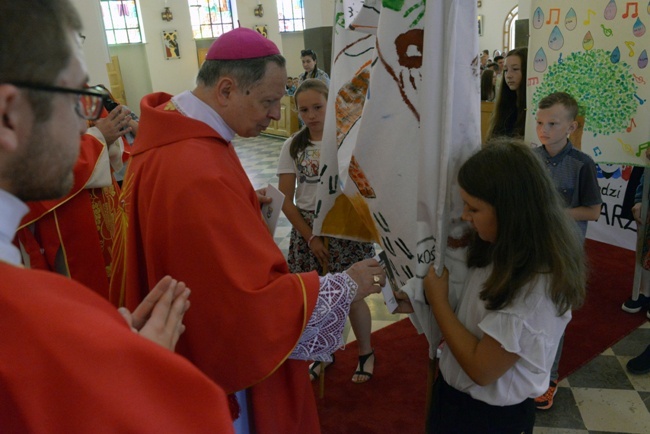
(574, 174)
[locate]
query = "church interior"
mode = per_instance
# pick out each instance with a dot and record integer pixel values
(600, 397)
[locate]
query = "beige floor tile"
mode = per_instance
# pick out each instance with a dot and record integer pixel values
(640, 382)
(284, 244)
(538, 430)
(607, 352)
(282, 231)
(378, 325)
(378, 309)
(620, 411)
(348, 333)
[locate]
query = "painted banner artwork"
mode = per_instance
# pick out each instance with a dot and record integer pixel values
(615, 226)
(352, 56)
(170, 43)
(403, 114)
(597, 51)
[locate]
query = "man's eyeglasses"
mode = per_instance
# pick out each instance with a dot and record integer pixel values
(89, 101)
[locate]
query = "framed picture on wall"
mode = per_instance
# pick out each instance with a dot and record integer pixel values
(262, 29)
(480, 25)
(170, 43)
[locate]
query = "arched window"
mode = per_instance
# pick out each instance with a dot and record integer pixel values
(509, 29)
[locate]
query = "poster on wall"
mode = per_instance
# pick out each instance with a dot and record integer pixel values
(262, 29)
(170, 42)
(616, 225)
(597, 51)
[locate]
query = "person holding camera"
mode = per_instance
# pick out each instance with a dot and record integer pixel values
(73, 236)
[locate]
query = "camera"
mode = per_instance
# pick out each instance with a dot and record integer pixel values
(109, 104)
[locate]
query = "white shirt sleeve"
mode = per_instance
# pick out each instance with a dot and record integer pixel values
(101, 176)
(285, 162)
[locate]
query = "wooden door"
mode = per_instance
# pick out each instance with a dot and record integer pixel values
(115, 80)
(288, 122)
(487, 107)
(200, 54)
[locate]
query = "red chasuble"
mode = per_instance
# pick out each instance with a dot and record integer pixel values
(70, 364)
(81, 225)
(193, 214)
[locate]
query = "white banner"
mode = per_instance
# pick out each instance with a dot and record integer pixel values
(397, 163)
(615, 225)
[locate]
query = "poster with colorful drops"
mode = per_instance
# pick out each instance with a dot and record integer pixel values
(597, 51)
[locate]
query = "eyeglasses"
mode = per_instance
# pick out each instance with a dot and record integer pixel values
(89, 101)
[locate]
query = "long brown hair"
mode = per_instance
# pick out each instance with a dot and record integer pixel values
(302, 138)
(487, 86)
(510, 103)
(535, 235)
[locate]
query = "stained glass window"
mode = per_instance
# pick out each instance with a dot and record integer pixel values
(211, 18)
(121, 21)
(291, 15)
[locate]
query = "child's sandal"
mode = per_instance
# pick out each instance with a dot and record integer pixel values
(362, 361)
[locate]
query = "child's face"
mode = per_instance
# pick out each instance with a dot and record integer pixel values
(554, 124)
(311, 108)
(512, 72)
(481, 215)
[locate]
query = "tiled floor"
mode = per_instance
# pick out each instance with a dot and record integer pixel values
(601, 397)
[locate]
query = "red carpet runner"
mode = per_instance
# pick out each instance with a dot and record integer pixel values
(393, 401)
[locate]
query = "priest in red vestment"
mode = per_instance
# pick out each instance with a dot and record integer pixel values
(191, 212)
(69, 363)
(73, 235)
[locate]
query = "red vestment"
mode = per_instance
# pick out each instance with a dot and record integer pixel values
(70, 364)
(193, 214)
(81, 225)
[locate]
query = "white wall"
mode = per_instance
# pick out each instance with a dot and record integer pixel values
(176, 75)
(524, 9)
(494, 14)
(292, 43)
(135, 73)
(319, 13)
(247, 18)
(145, 70)
(95, 47)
